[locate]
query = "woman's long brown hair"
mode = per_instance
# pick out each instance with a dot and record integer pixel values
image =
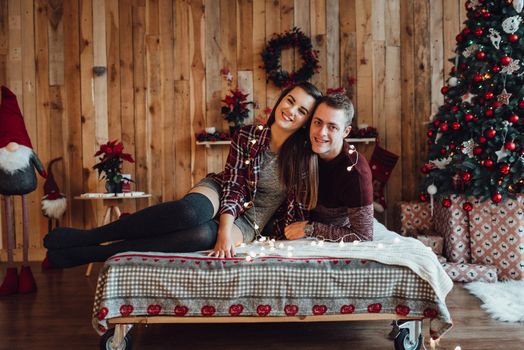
(297, 164)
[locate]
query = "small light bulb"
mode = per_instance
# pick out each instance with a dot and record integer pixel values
(262, 249)
(247, 162)
(349, 168)
(314, 243)
(355, 242)
(260, 127)
(321, 243)
(281, 245)
(396, 240)
(458, 347)
(252, 254)
(253, 141)
(248, 258)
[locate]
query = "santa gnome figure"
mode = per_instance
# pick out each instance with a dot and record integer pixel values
(54, 203)
(17, 177)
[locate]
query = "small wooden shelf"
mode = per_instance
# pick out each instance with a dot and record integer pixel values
(227, 143)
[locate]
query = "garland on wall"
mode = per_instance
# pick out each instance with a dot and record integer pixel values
(272, 54)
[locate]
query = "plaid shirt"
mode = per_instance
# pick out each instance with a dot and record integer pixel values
(240, 177)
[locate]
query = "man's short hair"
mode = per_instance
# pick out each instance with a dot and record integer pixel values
(342, 102)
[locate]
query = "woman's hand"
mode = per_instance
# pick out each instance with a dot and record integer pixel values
(295, 230)
(225, 244)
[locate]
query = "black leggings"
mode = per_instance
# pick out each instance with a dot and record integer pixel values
(201, 237)
(162, 219)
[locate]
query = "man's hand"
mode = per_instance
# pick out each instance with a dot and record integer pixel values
(295, 230)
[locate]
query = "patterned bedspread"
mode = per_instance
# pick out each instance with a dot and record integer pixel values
(194, 285)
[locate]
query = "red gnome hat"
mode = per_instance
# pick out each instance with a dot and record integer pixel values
(12, 126)
(51, 190)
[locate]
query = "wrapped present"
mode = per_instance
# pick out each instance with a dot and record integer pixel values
(415, 218)
(497, 236)
(436, 243)
(460, 272)
(452, 223)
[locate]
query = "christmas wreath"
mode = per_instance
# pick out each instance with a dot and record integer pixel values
(271, 55)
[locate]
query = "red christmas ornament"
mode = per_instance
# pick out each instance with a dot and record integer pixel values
(444, 127)
(489, 113)
(513, 38)
(422, 197)
(513, 118)
(496, 69)
(466, 31)
(491, 133)
(452, 146)
(510, 146)
(480, 55)
(486, 15)
(436, 122)
(459, 38)
(496, 104)
(468, 117)
(521, 104)
(489, 95)
(443, 151)
(496, 197)
(467, 206)
(505, 60)
(430, 133)
(466, 176)
(488, 163)
(455, 109)
(453, 69)
(477, 77)
(478, 150)
(479, 32)
(446, 202)
(430, 142)
(504, 168)
(463, 66)
(482, 139)
(455, 125)
(444, 90)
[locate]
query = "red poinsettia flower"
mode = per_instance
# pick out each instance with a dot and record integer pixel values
(110, 162)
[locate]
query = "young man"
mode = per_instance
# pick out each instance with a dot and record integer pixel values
(345, 193)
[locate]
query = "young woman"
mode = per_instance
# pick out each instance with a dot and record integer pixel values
(265, 168)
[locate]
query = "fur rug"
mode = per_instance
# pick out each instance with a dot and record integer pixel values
(502, 300)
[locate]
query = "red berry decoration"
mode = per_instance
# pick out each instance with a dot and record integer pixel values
(468, 117)
(496, 69)
(479, 32)
(436, 122)
(513, 118)
(482, 139)
(455, 109)
(467, 206)
(444, 127)
(480, 55)
(489, 113)
(488, 163)
(444, 90)
(425, 169)
(513, 38)
(489, 95)
(486, 15)
(490, 133)
(477, 77)
(496, 197)
(422, 197)
(477, 150)
(430, 133)
(446, 202)
(466, 176)
(496, 104)
(504, 168)
(455, 125)
(510, 146)
(443, 151)
(505, 60)
(452, 146)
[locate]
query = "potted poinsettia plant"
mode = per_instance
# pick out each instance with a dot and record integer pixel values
(110, 163)
(235, 109)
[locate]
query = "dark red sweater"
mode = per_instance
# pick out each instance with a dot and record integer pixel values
(345, 203)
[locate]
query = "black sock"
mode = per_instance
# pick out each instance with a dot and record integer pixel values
(192, 210)
(202, 237)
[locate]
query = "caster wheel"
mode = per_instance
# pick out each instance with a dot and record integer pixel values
(402, 341)
(106, 342)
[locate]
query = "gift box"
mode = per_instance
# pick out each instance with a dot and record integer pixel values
(497, 236)
(436, 243)
(461, 272)
(415, 218)
(452, 224)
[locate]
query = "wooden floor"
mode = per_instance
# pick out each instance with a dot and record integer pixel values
(58, 317)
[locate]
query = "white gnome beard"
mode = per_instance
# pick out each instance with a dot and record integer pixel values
(11, 162)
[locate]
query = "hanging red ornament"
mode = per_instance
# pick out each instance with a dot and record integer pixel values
(425, 169)
(496, 197)
(480, 55)
(489, 95)
(482, 139)
(496, 104)
(453, 69)
(436, 122)
(505, 60)
(477, 150)
(466, 176)
(478, 32)
(491, 133)
(443, 151)
(477, 77)
(444, 90)
(446, 202)
(455, 109)
(468, 117)
(513, 38)
(444, 127)
(466, 31)
(488, 163)
(430, 133)
(459, 38)
(455, 125)
(467, 206)
(510, 146)
(489, 113)
(521, 104)
(486, 15)
(422, 197)
(504, 168)
(496, 69)
(513, 118)
(452, 146)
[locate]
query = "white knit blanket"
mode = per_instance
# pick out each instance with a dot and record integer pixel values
(387, 248)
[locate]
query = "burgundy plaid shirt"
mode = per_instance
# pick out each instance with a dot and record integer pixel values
(240, 177)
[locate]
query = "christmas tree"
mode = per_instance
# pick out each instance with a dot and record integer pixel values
(476, 138)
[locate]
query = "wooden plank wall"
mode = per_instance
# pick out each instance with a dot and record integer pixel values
(161, 82)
